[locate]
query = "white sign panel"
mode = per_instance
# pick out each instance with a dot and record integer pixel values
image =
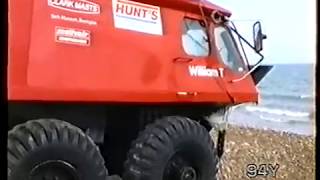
(137, 16)
(72, 36)
(77, 6)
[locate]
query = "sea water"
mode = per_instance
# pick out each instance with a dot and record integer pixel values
(286, 103)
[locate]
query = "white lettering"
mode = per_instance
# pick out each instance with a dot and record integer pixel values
(68, 18)
(193, 70)
(78, 6)
(73, 19)
(202, 71)
(85, 21)
(54, 16)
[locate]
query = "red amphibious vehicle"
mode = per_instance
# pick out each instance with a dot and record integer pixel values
(86, 76)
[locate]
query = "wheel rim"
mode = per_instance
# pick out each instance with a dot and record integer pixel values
(181, 167)
(188, 173)
(54, 170)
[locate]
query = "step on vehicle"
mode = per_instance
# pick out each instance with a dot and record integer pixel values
(123, 87)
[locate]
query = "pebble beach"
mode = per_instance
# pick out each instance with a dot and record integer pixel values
(294, 154)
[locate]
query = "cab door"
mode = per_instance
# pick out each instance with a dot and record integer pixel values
(196, 75)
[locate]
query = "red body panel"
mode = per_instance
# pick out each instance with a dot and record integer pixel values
(117, 65)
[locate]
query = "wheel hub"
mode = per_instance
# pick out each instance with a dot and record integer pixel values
(54, 170)
(188, 173)
(180, 168)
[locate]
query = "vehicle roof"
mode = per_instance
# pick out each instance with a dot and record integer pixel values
(189, 5)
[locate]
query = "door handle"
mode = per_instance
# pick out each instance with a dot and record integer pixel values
(182, 59)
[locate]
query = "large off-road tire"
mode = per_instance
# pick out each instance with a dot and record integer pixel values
(172, 148)
(50, 149)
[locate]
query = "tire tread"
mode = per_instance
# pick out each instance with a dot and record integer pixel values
(35, 133)
(150, 140)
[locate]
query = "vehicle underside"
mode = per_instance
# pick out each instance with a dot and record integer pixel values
(112, 127)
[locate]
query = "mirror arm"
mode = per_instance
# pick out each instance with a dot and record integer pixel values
(255, 66)
(250, 71)
(244, 52)
(241, 37)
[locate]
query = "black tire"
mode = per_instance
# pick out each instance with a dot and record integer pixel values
(49, 148)
(170, 149)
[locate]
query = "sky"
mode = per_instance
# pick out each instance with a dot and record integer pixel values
(290, 26)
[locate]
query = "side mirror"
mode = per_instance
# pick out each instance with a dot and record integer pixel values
(258, 37)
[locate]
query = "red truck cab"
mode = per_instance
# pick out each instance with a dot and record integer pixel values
(123, 51)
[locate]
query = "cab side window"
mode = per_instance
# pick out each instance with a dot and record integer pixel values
(227, 50)
(194, 38)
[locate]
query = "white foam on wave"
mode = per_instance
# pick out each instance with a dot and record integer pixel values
(277, 111)
(282, 120)
(273, 119)
(290, 96)
(305, 96)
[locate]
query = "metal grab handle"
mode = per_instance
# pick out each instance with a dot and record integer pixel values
(182, 59)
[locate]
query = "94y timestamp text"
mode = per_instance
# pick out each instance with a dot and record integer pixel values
(255, 170)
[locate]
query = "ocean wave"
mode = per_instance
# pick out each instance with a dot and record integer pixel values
(274, 119)
(288, 96)
(306, 96)
(277, 111)
(283, 120)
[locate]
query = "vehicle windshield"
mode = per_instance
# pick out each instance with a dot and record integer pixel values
(227, 49)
